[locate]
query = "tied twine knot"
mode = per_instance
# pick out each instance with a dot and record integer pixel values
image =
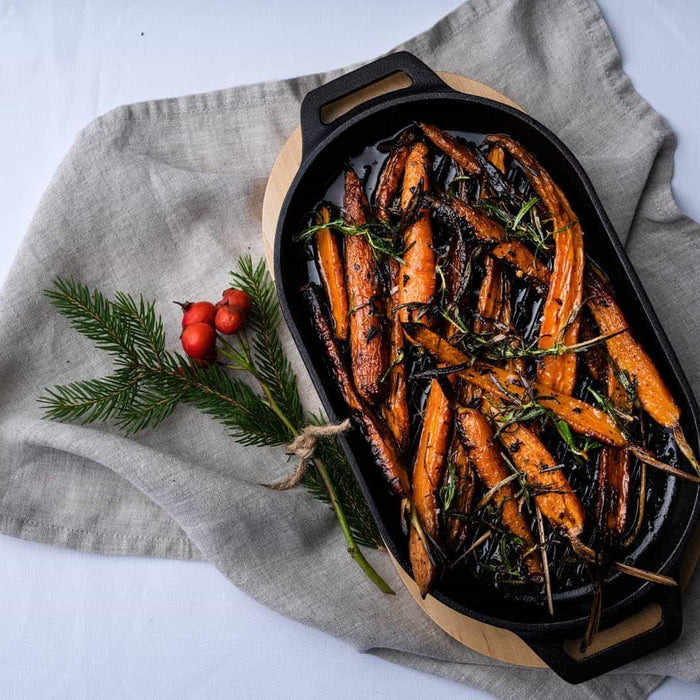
(304, 447)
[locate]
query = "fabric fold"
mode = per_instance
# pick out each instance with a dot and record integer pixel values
(160, 197)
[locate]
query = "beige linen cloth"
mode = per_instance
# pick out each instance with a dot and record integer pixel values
(160, 197)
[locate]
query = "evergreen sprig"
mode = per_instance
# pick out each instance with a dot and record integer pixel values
(149, 382)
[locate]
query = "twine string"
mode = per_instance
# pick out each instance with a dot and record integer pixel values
(304, 447)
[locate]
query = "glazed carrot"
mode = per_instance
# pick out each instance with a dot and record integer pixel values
(368, 346)
(491, 305)
(383, 448)
(560, 315)
(460, 153)
(417, 276)
(330, 265)
(484, 228)
(497, 156)
(525, 264)
(614, 470)
(478, 438)
(390, 177)
(507, 386)
(594, 357)
(428, 468)
(456, 529)
(553, 493)
(630, 357)
(395, 406)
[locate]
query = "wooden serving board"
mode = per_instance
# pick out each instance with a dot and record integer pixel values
(495, 642)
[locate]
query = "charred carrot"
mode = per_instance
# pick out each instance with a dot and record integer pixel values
(560, 315)
(395, 406)
(478, 438)
(368, 347)
(457, 528)
(330, 265)
(552, 491)
(390, 177)
(428, 468)
(614, 470)
(382, 445)
(516, 255)
(461, 153)
(508, 387)
(630, 357)
(417, 277)
(484, 228)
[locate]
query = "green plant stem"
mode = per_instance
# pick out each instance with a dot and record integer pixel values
(353, 549)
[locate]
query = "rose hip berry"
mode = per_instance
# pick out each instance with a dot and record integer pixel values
(230, 319)
(199, 341)
(237, 297)
(199, 312)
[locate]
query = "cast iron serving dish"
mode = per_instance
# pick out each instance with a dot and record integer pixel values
(671, 521)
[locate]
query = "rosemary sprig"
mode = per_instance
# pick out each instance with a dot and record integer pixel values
(381, 236)
(149, 382)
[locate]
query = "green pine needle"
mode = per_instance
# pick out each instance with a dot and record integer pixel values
(149, 382)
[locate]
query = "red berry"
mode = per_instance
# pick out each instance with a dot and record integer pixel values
(199, 341)
(230, 319)
(237, 297)
(199, 312)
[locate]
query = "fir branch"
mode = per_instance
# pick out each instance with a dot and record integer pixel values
(274, 369)
(150, 382)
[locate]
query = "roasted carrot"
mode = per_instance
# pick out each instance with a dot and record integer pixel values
(630, 357)
(497, 156)
(417, 276)
(428, 468)
(461, 153)
(478, 438)
(508, 387)
(457, 528)
(395, 405)
(330, 263)
(560, 315)
(614, 470)
(384, 450)
(368, 346)
(491, 305)
(552, 491)
(390, 177)
(516, 255)
(484, 228)
(594, 357)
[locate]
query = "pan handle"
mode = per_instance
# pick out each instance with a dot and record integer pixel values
(577, 670)
(314, 130)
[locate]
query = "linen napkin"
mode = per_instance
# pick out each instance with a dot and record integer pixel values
(158, 198)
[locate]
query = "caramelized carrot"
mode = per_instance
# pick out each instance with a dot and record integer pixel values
(497, 156)
(456, 528)
(383, 448)
(630, 357)
(553, 493)
(417, 276)
(478, 438)
(484, 228)
(459, 152)
(395, 406)
(428, 468)
(560, 315)
(506, 386)
(526, 265)
(491, 302)
(390, 177)
(614, 470)
(330, 265)
(368, 347)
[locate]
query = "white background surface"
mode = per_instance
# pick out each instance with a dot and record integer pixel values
(84, 626)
